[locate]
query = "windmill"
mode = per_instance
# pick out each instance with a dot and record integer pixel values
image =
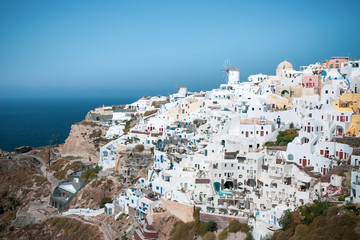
(227, 67)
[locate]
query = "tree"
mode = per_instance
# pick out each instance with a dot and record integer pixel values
(104, 201)
(285, 220)
(291, 125)
(211, 226)
(249, 236)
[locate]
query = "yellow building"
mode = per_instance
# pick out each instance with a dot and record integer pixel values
(278, 102)
(348, 102)
(354, 128)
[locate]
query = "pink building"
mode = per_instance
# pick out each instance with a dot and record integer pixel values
(312, 81)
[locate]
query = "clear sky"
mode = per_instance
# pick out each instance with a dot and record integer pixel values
(126, 48)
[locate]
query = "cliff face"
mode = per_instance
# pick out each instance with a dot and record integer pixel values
(85, 140)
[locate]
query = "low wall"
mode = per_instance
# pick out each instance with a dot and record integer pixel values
(181, 211)
(24, 219)
(206, 217)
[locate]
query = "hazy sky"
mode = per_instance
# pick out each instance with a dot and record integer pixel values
(124, 48)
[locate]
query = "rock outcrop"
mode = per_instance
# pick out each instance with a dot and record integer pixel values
(85, 140)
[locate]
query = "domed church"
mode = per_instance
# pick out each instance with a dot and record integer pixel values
(285, 65)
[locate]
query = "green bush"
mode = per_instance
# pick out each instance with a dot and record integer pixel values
(11, 228)
(104, 201)
(211, 226)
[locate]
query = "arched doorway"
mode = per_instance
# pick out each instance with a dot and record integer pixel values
(339, 131)
(284, 93)
(304, 140)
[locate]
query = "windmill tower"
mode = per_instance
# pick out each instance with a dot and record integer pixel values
(234, 76)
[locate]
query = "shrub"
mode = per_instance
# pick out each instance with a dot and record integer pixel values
(104, 201)
(211, 226)
(223, 235)
(244, 228)
(291, 125)
(267, 237)
(285, 137)
(90, 174)
(234, 226)
(202, 228)
(13, 203)
(139, 147)
(209, 236)
(311, 212)
(148, 113)
(95, 133)
(11, 228)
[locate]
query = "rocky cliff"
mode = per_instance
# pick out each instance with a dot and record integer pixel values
(85, 140)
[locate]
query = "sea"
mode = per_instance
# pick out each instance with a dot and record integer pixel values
(38, 122)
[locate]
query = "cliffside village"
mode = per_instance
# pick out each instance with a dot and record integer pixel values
(218, 150)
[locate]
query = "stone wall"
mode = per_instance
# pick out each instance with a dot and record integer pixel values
(353, 142)
(153, 217)
(100, 117)
(181, 211)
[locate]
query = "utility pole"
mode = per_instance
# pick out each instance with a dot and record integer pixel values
(49, 159)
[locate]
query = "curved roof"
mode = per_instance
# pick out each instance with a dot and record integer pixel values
(285, 65)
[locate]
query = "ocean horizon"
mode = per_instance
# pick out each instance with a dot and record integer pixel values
(36, 122)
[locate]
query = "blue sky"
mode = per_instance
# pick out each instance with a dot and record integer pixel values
(127, 48)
